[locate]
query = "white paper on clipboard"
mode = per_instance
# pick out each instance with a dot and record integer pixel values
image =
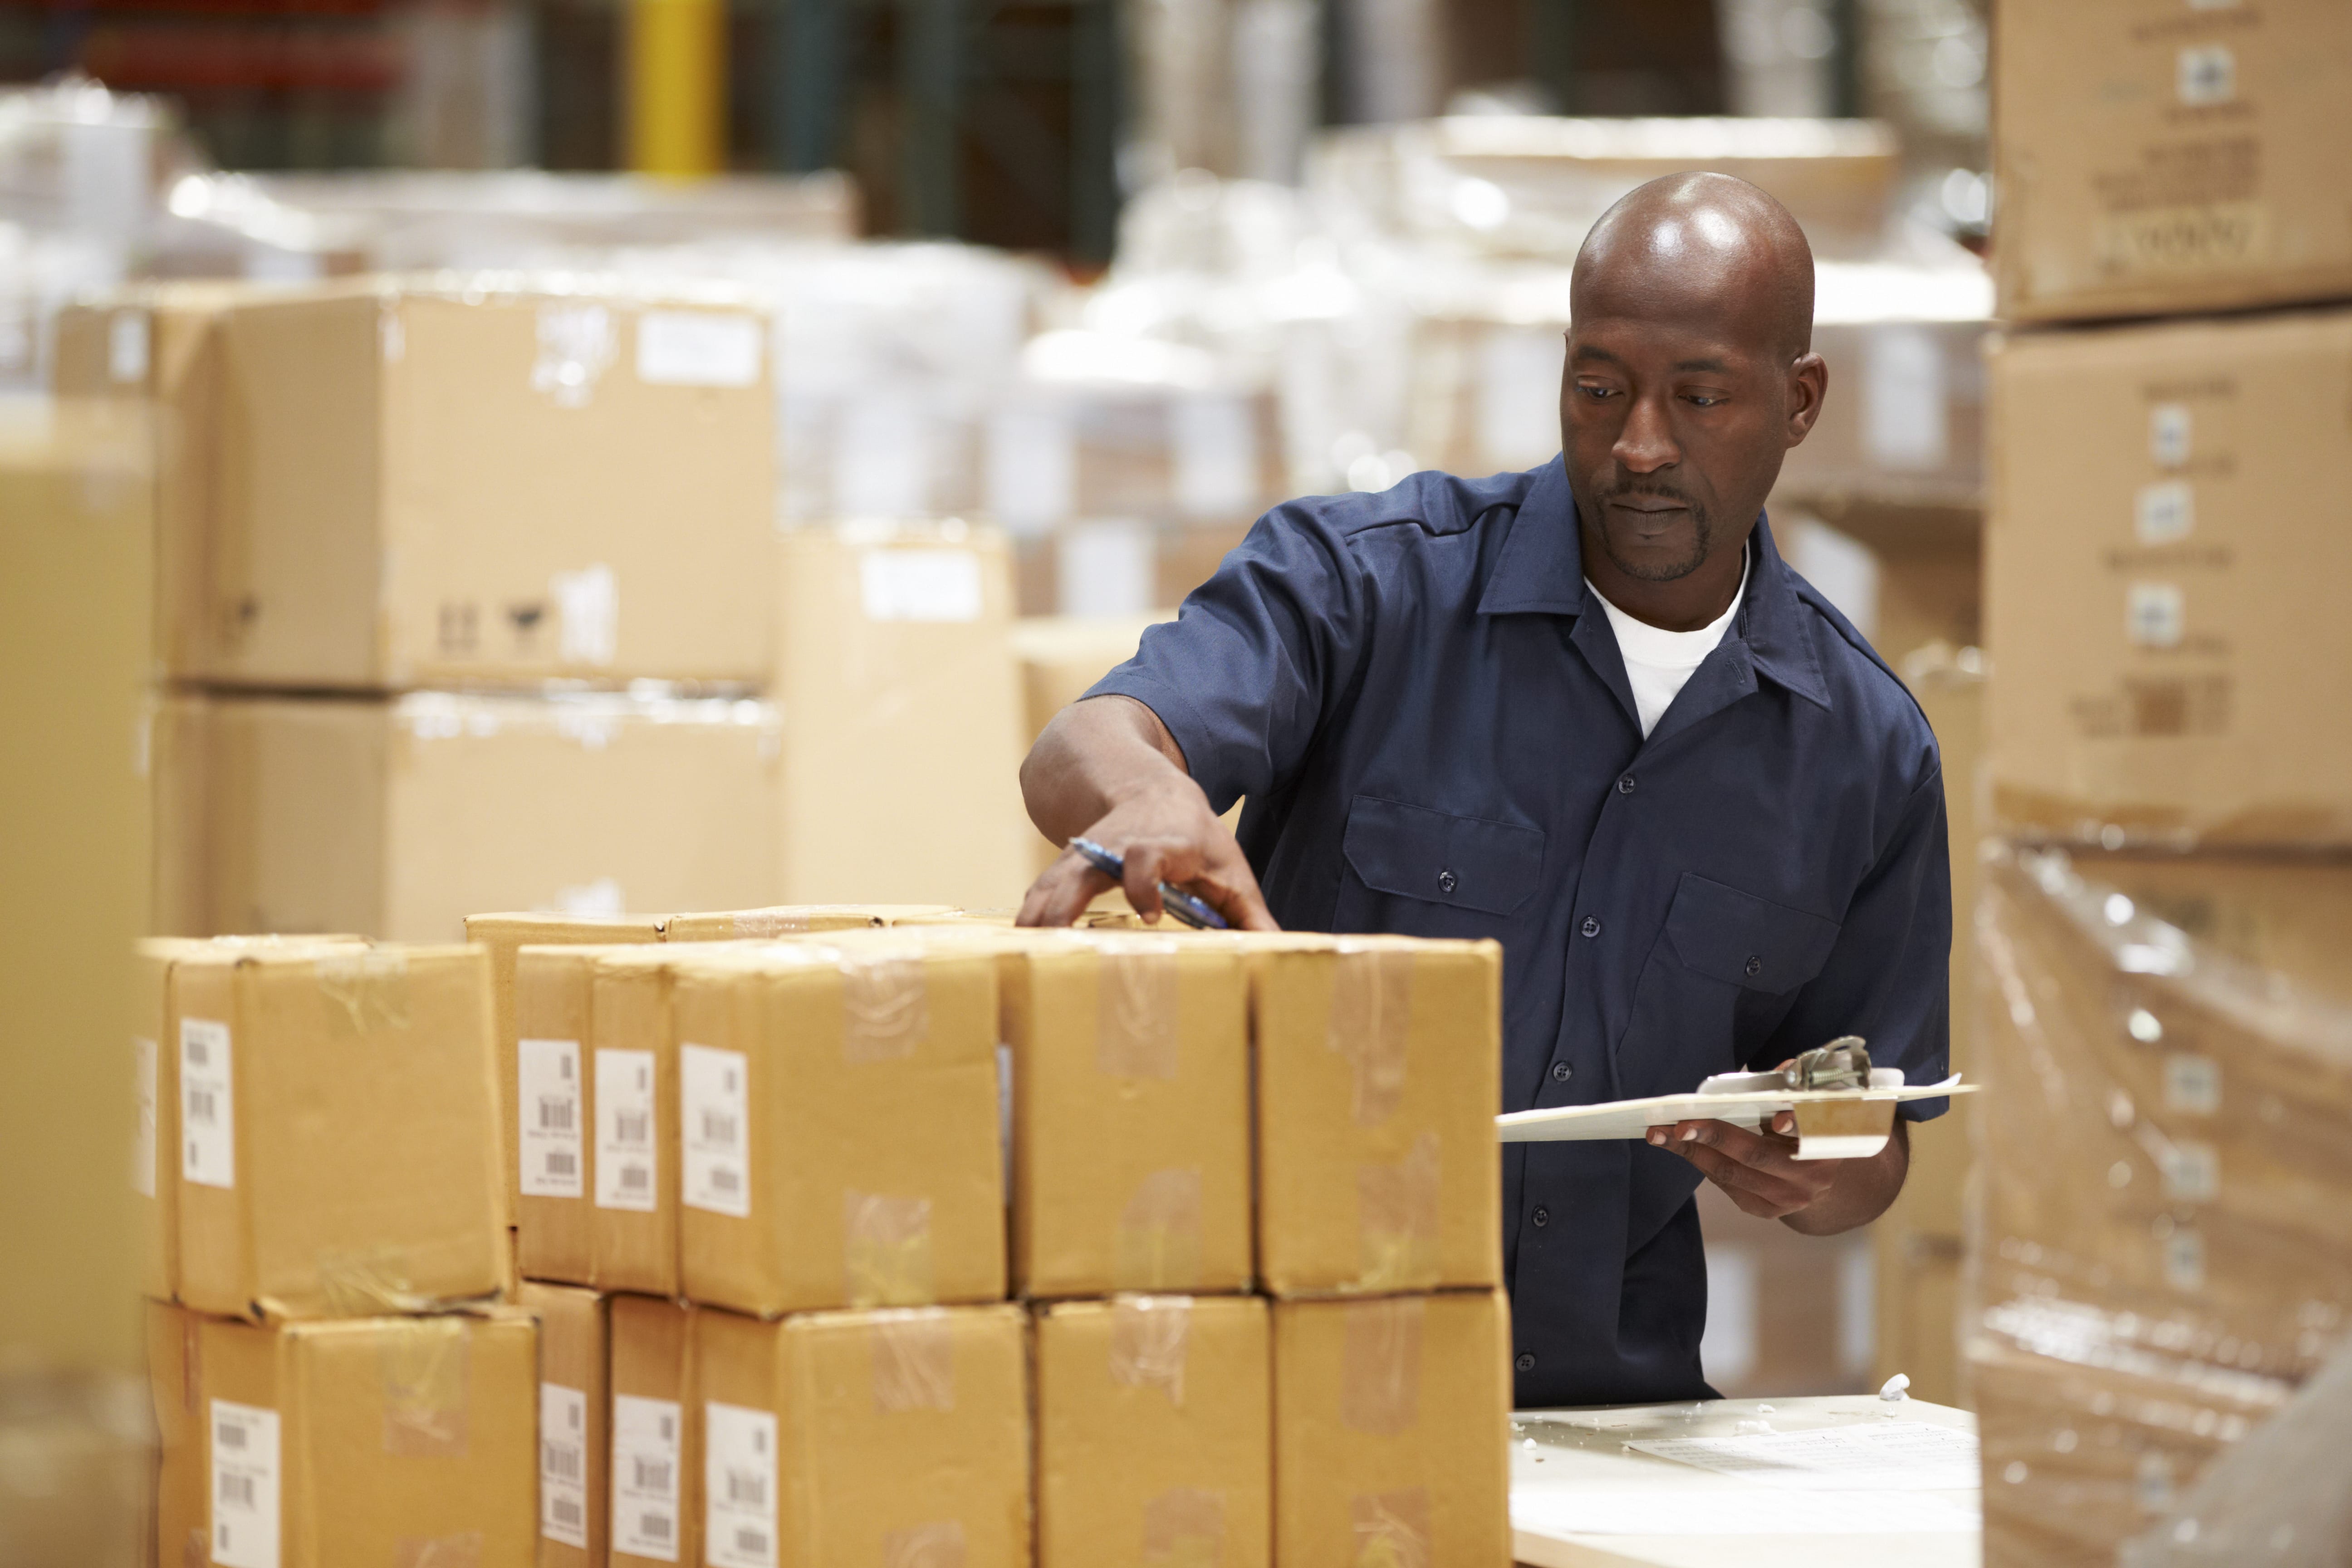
(1631, 1119)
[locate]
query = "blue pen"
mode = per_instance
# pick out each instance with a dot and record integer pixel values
(1192, 911)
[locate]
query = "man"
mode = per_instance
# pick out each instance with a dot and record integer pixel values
(1587, 711)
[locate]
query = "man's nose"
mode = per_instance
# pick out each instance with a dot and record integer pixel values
(1646, 445)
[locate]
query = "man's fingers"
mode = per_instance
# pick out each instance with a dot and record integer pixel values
(1741, 1162)
(1062, 894)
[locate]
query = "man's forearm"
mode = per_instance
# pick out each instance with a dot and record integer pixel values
(1095, 755)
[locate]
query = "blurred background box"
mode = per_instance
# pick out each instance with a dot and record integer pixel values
(2153, 158)
(902, 743)
(398, 817)
(484, 481)
(2160, 1257)
(2169, 526)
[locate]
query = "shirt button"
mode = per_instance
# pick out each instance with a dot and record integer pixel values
(1755, 966)
(1592, 926)
(1526, 1361)
(1625, 784)
(1542, 1217)
(1445, 881)
(1561, 1073)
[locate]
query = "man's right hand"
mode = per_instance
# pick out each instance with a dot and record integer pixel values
(1106, 769)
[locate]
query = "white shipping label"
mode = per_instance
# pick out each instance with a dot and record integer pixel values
(2192, 1083)
(244, 1486)
(143, 1134)
(2192, 1172)
(1215, 442)
(2163, 512)
(919, 584)
(715, 1130)
(739, 1470)
(207, 1106)
(2206, 74)
(563, 1464)
(546, 1107)
(645, 1477)
(2168, 431)
(1904, 415)
(625, 1131)
(588, 614)
(2155, 614)
(126, 345)
(697, 348)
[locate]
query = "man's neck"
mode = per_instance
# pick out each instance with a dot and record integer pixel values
(1686, 604)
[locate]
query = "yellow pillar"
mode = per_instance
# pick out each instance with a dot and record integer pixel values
(678, 87)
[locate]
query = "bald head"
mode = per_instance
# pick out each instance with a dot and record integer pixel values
(1707, 244)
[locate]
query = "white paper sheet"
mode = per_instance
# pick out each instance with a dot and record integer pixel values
(1632, 1118)
(1881, 1457)
(1739, 1511)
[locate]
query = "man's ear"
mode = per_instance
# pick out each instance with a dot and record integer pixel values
(1808, 383)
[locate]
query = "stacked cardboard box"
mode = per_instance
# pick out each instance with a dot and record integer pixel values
(335, 1377)
(2162, 1017)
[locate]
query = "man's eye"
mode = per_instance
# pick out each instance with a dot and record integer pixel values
(1598, 391)
(1703, 401)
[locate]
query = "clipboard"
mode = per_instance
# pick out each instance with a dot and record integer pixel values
(1831, 1123)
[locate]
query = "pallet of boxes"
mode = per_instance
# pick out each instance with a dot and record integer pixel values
(2161, 1258)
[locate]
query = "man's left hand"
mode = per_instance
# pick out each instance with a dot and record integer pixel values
(1760, 1172)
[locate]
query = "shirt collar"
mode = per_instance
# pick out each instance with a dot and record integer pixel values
(1540, 571)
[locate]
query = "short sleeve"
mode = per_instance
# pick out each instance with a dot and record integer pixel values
(1889, 978)
(1245, 674)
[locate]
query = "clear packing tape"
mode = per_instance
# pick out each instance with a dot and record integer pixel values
(2164, 1227)
(1397, 1201)
(1150, 1338)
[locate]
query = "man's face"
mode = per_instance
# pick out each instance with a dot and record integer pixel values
(1675, 411)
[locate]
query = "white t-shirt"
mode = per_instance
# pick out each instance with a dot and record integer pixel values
(1659, 662)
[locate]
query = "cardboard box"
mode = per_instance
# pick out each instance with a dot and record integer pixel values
(370, 1440)
(902, 751)
(1154, 1432)
(798, 920)
(337, 1151)
(399, 818)
(420, 485)
(2163, 1253)
(1130, 1112)
(839, 1122)
(630, 1094)
(155, 1078)
(1062, 656)
(894, 1436)
(575, 1347)
(76, 573)
(656, 1458)
(557, 1134)
(1392, 1421)
(1379, 1068)
(2170, 514)
(181, 1492)
(2154, 158)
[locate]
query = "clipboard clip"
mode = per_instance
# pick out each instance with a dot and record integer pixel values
(1844, 1063)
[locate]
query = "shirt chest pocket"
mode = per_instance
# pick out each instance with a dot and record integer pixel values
(1743, 941)
(1716, 985)
(1462, 862)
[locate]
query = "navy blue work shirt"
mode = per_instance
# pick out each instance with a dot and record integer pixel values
(1429, 715)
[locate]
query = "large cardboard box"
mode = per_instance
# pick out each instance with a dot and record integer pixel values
(575, 1347)
(338, 1152)
(402, 1440)
(2153, 157)
(1378, 1070)
(1154, 1432)
(1130, 1057)
(902, 747)
(1391, 1423)
(419, 484)
(893, 1436)
(838, 1125)
(630, 1097)
(558, 1136)
(2163, 1253)
(656, 1458)
(155, 1086)
(2171, 512)
(398, 818)
(179, 1481)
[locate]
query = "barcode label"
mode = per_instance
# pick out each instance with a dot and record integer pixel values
(207, 1107)
(245, 1486)
(547, 1098)
(563, 1464)
(142, 1145)
(644, 1467)
(714, 1097)
(739, 1476)
(625, 1131)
